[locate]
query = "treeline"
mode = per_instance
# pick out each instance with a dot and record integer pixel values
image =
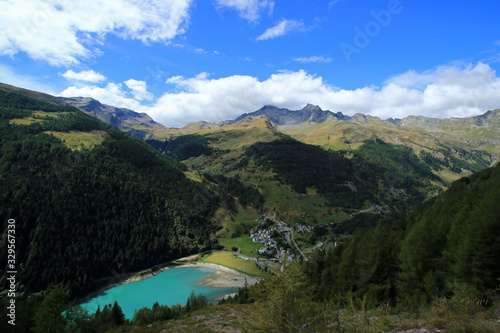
(192, 145)
(183, 147)
(159, 312)
(301, 165)
(69, 119)
(406, 181)
(472, 160)
(17, 101)
(90, 214)
(247, 195)
(53, 312)
(448, 247)
(349, 179)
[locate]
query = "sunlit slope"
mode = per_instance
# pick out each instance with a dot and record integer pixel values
(453, 147)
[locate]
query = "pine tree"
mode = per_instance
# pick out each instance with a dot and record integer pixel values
(117, 314)
(283, 300)
(50, 317)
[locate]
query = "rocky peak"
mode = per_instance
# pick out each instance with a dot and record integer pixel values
(488, 117)
(280, 116)
(364, 119)
(311, 108)
(395, 121)
(121, 118)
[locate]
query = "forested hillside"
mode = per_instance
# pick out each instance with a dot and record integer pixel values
(386, 181)
(449, 246)
(89, 201)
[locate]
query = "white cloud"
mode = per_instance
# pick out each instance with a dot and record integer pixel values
(87, 76)
(412, 79)
(313, 59)
(248, 9)
(112, 94)
(63, 31)
(139, 89)
(281, 29)
(444, 92)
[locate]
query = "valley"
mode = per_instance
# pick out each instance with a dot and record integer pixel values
(239, 166)
(338, 202)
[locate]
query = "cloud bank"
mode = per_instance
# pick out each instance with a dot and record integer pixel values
(114, 94)
(61, 32)
(443, 92)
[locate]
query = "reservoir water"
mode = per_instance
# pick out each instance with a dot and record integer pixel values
(169, 287)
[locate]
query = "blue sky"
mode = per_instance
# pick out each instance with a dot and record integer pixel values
(188, 60)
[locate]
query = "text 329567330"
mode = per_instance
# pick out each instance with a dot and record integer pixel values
(11, 270)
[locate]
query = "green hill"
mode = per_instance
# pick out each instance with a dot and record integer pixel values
(447, 247)
(306, 183)
(89, 201)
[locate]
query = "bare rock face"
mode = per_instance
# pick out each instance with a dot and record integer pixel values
(134, 123)
(279, 116)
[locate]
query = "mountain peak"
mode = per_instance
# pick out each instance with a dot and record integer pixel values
(124, 119)
(281, 116)
(311, 108)
(365, 118)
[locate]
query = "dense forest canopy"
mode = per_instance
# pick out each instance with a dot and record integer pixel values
(376, 174)
(88, 213)
(448, 246)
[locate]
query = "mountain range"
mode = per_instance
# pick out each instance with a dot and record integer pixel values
(310, 125)
(89, 201)
(475, 141)
(330, 130)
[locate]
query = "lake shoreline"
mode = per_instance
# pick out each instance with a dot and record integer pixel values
(225, 277)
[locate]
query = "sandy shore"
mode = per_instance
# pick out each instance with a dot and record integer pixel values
(225, 277)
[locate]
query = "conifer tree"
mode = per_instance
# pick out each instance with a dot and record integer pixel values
(117, 313)
(50, 317)
(283, 300)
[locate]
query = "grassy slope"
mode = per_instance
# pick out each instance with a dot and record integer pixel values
(243, 243)
(76, 140)
(235, 234)
(346, 135)
(338, 135)
(292, 207)
(227, 259)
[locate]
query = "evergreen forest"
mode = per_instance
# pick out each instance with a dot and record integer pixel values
(89, 213)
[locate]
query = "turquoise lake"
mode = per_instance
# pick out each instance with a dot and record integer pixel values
(169, 287)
